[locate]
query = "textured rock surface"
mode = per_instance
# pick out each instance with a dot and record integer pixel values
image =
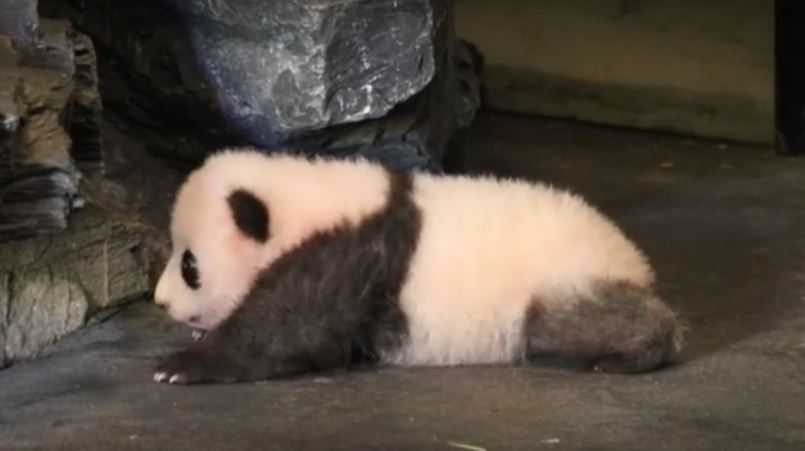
(37, 180)
(48, 91)
(18, 18)
(111, 252)
(306, 65)
(51, 285)
(376, 77)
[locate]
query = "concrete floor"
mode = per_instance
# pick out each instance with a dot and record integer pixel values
(725, 226)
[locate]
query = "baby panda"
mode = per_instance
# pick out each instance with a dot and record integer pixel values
(293, 264)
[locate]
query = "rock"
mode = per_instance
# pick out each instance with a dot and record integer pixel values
(10, 114)
(52, 285)
(45, 307)
(85, 118)
(111, 252)
(37, 199)
(63, 49)
(37, 181)
(19, 19)
(306, 65)
(384, 78)
(48, 88)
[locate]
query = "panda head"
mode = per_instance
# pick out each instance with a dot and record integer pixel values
(241, 211)
(219, 234)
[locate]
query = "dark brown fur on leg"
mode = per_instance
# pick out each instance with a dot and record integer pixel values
(618, 328)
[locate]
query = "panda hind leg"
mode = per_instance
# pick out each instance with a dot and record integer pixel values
(616, 327)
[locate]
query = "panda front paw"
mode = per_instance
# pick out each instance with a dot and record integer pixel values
(167, 377)
(182, 368)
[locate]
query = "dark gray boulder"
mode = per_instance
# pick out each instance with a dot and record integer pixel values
(383, 78)
(19, 18)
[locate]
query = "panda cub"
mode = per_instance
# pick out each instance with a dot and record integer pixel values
(294, 264)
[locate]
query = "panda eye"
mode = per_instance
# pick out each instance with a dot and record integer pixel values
(189, 269)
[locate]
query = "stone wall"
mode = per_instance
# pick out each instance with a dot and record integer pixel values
(49, 123)
(51, 286)
(60, 265)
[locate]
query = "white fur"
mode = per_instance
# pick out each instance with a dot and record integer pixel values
(488, 248)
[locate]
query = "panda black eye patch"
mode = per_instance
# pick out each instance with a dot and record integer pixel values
(190, 270)
(250, 214)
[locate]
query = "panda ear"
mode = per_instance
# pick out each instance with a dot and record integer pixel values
(250, 214)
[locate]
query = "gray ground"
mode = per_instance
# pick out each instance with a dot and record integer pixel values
(725, 226)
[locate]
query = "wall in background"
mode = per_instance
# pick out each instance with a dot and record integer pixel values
(702, 68)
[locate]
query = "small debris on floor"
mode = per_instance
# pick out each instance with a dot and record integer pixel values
(466, 446)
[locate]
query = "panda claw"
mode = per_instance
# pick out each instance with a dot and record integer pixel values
(197, 334)
(160, 376)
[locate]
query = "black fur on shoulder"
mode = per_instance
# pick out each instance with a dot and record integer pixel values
(329, 303)
(250, 214)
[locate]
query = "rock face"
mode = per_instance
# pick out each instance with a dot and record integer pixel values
(384, 78)
(53, 275)
(110, 253)
(52, 285)
(19, 19)
(49, 116)
(305, 66)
